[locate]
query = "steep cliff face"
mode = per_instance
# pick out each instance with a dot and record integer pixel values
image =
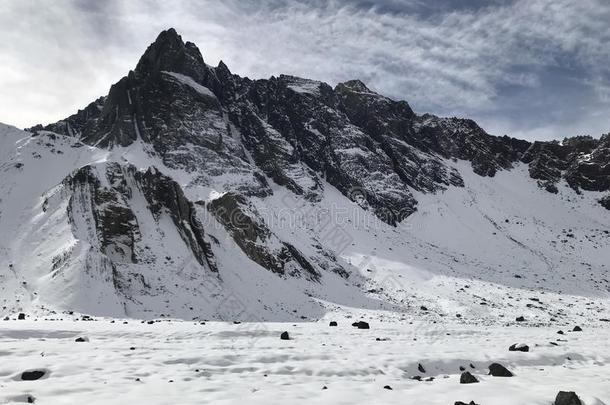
(296, 131)
(188, 166)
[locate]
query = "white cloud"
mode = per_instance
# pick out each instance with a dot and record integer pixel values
(58, 56)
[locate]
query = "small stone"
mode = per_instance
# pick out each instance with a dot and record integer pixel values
(361, 325)
(284, 336)
(467, 378)
(387, 387)
(519, 347)
(567, 398)
(498, 370)
(577, 329)
(81, 339)
(32, 375)
(421, 368)
(21, 316)
(332, 323)
(520, 319)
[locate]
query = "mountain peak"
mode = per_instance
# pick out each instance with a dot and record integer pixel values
(170, 53)
(356, 85)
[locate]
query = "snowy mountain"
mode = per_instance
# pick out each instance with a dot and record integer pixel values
(194, 193)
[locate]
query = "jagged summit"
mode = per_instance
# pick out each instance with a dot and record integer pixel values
(170, 53)
(173, 98)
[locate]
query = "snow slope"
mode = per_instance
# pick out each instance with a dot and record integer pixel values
(223, 363)
(488, 252)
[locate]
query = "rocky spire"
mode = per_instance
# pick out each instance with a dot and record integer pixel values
(170, 53)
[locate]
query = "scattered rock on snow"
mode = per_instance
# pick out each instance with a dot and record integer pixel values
(519, 347)
(284, 336)
(33, 375)
(332, 323)
(21, 316)
(421, 368)
(577, 329)
(520, 319)
(467, 378)
(498, 370)
(387, 387)
(361, 325)
(567, 398)
(81, 339)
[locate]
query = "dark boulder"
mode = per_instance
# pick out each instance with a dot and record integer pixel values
(498, 370)
(332, 323)
(33, 375)
(567, 398)
(467, 378)
(361, 325)
(21, 316)
(577, 329)
(519, 347)
(284, 336)
(520, 319)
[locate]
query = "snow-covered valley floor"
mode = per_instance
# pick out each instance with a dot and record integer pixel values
(179, 362)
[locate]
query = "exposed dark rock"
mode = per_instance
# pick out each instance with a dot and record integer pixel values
(498, 370)
(577, 329)
(467, 378)
(519, 347)
(520, 319)
(353, 137)
(81, 339)
(284, 336)
(332, 323)
(567, 398)
(242, 221)
(21, 316)
(361, 325)
(33, 375)
(421, 368)
(387, 387)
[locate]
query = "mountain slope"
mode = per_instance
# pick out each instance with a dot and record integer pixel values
(189, 191)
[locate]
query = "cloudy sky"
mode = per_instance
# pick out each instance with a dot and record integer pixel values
(538, 69)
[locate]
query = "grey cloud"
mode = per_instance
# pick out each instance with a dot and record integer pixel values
(533, 68)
